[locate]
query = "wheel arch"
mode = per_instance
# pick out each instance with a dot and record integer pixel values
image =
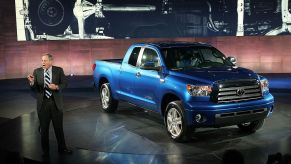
(102, 80)
(167, 98)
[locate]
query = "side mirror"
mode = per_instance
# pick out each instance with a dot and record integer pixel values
(231, 59)
(150, 65)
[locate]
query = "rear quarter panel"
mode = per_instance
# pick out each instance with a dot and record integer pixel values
(110, 71)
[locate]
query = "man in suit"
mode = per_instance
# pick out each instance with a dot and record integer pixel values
(48, 82)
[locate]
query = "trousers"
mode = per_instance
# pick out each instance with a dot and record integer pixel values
(50, 113)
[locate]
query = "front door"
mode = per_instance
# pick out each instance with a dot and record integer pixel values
(147, 81)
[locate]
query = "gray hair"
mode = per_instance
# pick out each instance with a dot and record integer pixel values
(50, 57)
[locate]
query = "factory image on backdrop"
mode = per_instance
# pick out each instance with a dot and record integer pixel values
(110, 19)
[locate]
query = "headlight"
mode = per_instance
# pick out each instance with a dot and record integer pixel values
(199, 90)
(264, 85)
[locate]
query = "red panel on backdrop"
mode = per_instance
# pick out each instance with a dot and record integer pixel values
(262, 54)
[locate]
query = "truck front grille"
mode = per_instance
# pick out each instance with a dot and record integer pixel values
(235, 91)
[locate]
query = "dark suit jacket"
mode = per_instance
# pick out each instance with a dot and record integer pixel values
(58, 78)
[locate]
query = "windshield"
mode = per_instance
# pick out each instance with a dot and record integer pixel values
(194, 57)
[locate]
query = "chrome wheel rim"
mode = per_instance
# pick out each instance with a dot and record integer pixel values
(174, 122)
(105, 97)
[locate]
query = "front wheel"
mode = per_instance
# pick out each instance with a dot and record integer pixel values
(109, 104)
(251, 127)
(175, 122)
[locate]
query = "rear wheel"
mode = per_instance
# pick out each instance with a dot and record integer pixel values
(108, 103)
(251, 127)
(175, 122)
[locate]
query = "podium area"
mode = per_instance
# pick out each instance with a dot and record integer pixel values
(131, 134)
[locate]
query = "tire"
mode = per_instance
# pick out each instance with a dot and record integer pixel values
(251, 127)
(51, 17)
(178, 130)
(108, 103)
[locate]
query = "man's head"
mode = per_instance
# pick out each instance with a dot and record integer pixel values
(47, 61)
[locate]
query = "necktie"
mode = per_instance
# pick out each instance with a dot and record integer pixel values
(47, 81)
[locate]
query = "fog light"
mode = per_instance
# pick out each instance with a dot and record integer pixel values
(198, 118)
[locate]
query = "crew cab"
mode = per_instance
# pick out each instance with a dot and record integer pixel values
(191, 85)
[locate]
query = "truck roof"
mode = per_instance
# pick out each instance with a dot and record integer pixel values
(175, 44)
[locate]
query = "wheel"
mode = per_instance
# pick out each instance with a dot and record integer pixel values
(109, 104)
(175, 122)
(50, 16)
(251, 127)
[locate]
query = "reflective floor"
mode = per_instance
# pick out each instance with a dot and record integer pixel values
(133, 135)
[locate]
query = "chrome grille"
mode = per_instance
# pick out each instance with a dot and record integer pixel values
(240, 90)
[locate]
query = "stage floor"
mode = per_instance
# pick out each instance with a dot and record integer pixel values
(132, 135)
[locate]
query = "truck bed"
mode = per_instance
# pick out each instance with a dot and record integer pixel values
(119, 61)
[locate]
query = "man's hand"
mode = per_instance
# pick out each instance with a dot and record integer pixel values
(53, 87)
(30, 78)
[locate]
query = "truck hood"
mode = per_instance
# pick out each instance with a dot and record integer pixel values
(211, 74)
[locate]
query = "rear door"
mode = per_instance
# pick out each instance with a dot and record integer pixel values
(127, 76)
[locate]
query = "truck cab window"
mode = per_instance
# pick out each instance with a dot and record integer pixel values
(133, 56)
(149, 57)
(212, 56)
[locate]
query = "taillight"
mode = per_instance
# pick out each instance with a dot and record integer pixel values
(93, 66)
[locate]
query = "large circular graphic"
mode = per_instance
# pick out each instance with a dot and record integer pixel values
(51, 17)
(51, 12)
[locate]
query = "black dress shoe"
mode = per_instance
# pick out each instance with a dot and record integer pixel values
(65, 151)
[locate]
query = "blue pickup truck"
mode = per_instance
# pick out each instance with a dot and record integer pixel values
(191, 85)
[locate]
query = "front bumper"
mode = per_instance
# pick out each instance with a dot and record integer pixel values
(226, 114)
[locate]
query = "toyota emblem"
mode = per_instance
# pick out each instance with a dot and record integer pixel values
(240, 92)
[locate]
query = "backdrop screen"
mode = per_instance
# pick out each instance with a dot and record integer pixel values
(110, 19)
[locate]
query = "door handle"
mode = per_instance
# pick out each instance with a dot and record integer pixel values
(138, 74)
